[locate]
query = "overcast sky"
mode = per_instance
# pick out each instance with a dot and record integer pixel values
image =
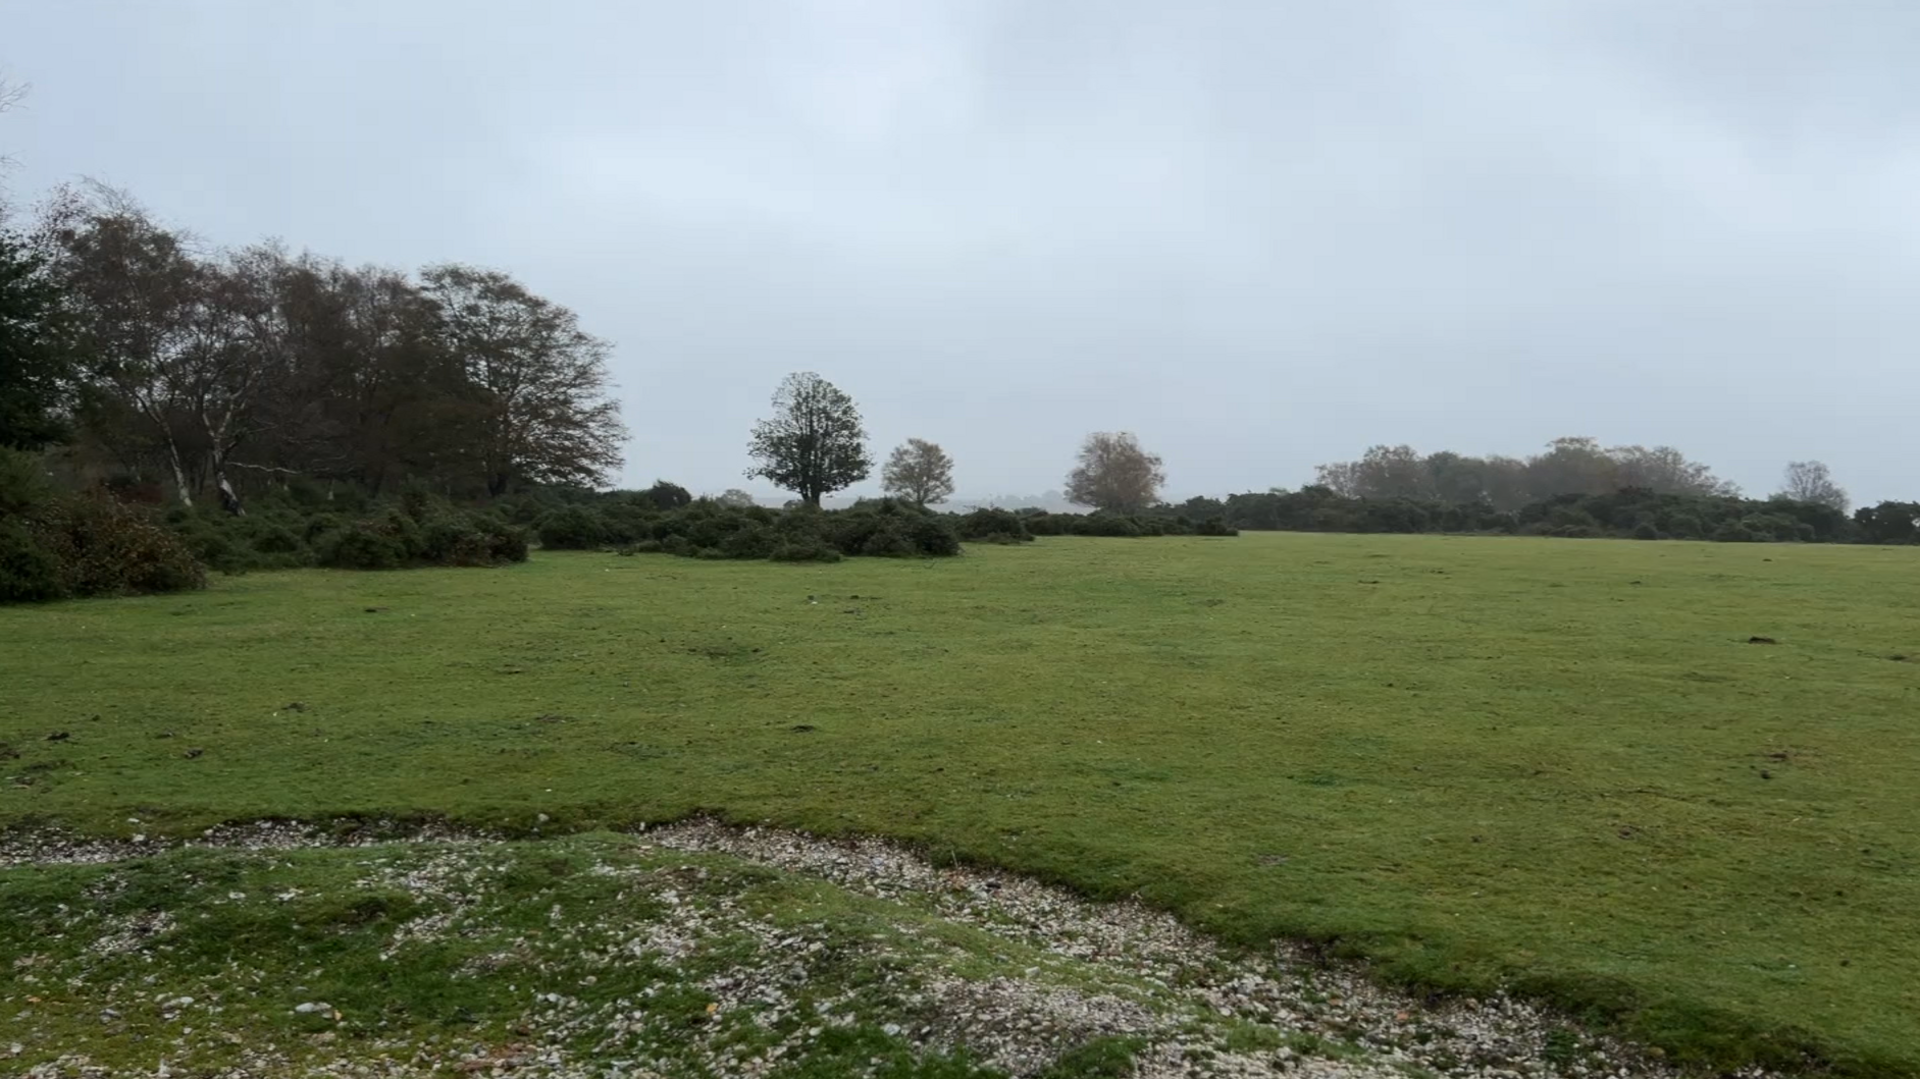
(1261, 235)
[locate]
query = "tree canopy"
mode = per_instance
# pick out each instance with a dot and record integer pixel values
(814, 443)
(920, 472)
(1115, 474)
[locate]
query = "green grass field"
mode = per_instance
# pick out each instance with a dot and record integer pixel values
(1557, 764)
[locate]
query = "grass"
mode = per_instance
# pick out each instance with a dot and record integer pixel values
(1556, 764)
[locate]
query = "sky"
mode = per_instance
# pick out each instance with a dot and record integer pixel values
(1261, 235)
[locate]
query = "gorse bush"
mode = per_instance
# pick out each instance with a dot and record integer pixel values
(574, 528)
(992, 526)
(709, 529)
(417, 529)
(106, 548)
(29, 572)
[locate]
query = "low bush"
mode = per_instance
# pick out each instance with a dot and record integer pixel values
(29, 572)
(106, 548)
(572, 528)
(992, 526)
(880, 529)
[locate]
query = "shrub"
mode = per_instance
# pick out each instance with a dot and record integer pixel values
(29, 572)
(105, 548)
(994, 525)
(889, 540)
(362, 545)
(933, 536)
(1215, 526)
(1106, 524)
(750, 540)
(507, 542)
(572, 528)
(23, 483)
(1040, 523)
(1646, 532)
(453, 540)
(803, 551)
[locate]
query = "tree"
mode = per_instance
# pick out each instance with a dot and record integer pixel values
(11, 94)
(667, 496)
(135, 287)
(1115, 474)
(1809, 481)
(38, 369)
(735, 498)
(814, 443)
(1665, 470)
(542, 381)
(920, 471)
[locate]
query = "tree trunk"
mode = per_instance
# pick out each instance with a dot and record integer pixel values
(229, 500)
(179, 473)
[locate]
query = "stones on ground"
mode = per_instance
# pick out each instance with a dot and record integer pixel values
(1014, 973)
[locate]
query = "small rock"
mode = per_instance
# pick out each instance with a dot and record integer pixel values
(312, 1008)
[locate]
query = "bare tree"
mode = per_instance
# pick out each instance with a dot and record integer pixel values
(547, 416)
(814, 444)
(1115, 474)
(11, 95)
(1809, 481)
(1667, 471)
(919, 470)
(136, 288)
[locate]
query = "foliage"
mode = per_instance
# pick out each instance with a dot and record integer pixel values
(545, 415)
(106, 548)
(1391, 723)
(667, 496)
(1568, 466)
(39, 366)
(29, 572)
(1810, 481)
(919, 472)
(1888, 522)
(287, 529)
(1637, 513)
(992, 526)
(573, 528)
(233, 371)
(884, 528)
(23, 482)
(814, 444)
(1115, 474)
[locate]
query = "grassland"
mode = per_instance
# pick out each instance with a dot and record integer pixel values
(1557, 764)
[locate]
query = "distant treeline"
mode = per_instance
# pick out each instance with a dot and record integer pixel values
(1628, 513)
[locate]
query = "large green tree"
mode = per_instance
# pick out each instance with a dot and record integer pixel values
(38, 368)
(813, 444)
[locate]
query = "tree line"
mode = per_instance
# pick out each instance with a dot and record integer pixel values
(1568, 466)
(158, 361)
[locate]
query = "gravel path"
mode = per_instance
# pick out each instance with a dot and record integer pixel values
(1198, 1008)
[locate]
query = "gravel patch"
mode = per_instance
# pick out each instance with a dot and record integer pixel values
(1121, 972)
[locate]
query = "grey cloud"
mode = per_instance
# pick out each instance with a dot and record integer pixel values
(1261, 235)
